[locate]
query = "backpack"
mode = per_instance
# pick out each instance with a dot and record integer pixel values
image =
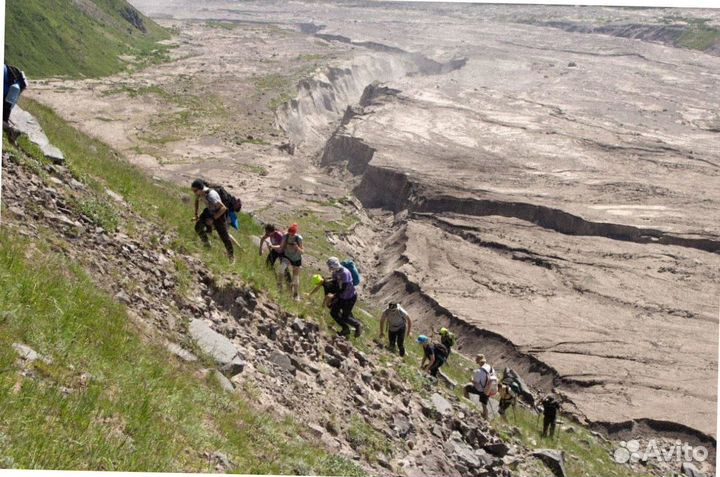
(231, 202)
(352, 268)
(18, 76)
(448, 340)
(491, 383)
(441, 350)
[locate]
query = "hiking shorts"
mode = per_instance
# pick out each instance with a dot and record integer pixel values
(294, 263)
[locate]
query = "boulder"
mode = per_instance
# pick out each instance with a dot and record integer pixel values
(462, 452)
(282, 361)
(553, 459)
(441, 405)
(224, 382)
(26, 123)
(216, 346)
(499, 448)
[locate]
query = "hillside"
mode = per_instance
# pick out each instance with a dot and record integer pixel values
(108, 337)
(78, 38)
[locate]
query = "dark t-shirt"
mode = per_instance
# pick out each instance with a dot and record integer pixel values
(434, 350)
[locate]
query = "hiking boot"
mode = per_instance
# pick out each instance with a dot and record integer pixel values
(232, 260)
(345, 332)
(358, 331)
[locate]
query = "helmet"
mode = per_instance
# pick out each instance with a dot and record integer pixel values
(422, 339)
(317, 279)
(443, 331)
(293, 229)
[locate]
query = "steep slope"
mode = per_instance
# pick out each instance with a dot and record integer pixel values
(77, 38)
(173, 353)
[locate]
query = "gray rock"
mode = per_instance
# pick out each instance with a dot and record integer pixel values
(282, 361)
(441, 405)
(28, 354)
(462, 452)
(26, 123)
(180, 352)
(115, 196)
(402, 425)
(499, 449)
(233, 368)
(212, 343)
(553, 459)
(688, 469)
(224, 382)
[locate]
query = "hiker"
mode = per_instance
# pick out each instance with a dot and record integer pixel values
(274, 237)
(434, 355)
(550, 407)
(329, 288)
(398, 325)
(344, 298)
(14, 83)
(447, 338)
(484, 383)
(292, 249)
(214, 214)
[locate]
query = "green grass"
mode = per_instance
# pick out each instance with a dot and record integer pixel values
(63, 38)
(699, 37)
(142, 410)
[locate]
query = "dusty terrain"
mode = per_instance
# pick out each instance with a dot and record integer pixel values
(554, 195)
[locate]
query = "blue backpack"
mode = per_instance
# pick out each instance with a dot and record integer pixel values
(350, 265)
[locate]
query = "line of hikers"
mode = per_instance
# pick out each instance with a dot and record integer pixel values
(340, 296)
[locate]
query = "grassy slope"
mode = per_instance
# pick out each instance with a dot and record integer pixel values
(58, 37)
(97, 164)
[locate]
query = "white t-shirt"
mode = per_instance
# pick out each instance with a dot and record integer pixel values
(212, 200)
(397, 318)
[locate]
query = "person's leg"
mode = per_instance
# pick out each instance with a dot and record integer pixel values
(7, 108)
(221, 227)
(552, 425)
(336, 313)
(484, 402)
(296, 282)
(401, 341)
(392, 338)
(282, 271)
(201, 227)
(546, 424)
(347, 316)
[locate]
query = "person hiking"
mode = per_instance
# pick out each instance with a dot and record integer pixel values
(447, 338)
(434, 355)
(292, 250)
(484, 383)
(396, 321)
(550, 407)
(14, 83)
(214, 214)
(274, 237)
(344, 298)
(329, 288)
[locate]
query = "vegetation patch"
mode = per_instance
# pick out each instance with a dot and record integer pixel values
(76, 39)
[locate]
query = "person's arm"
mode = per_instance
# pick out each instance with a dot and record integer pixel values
(383, 319)
(262, 241)
(409, 325)
(283, 244)
(300, 246)
(431, 360)
(221, 211)
(197, 206)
